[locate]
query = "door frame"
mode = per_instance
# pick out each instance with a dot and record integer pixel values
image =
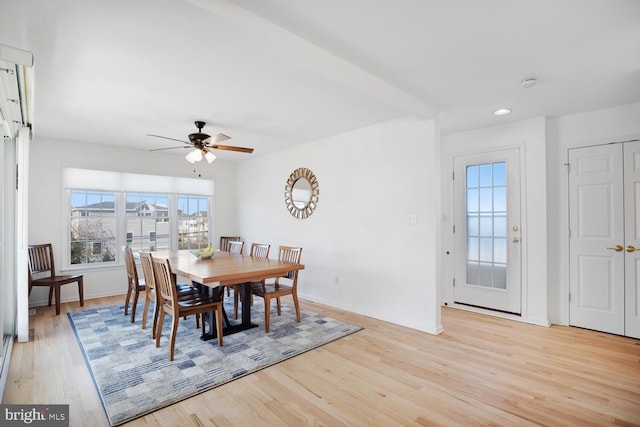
(508, 300)
(448, 236)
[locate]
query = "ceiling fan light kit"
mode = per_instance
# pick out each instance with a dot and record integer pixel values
(202, 144)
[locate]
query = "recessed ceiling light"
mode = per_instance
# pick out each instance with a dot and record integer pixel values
(501, 112)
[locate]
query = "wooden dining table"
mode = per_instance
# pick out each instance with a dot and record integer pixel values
(211, 275)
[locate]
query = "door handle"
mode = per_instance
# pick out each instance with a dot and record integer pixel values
(618, 248)
(631, 249)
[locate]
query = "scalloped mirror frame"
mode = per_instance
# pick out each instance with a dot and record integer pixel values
(312, 203)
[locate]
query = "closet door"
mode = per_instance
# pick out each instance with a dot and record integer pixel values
(604, 216)
(596, 217)
(632, 237)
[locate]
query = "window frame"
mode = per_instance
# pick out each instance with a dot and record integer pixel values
(172, 187)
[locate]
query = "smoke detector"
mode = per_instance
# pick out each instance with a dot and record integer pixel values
(528, 82)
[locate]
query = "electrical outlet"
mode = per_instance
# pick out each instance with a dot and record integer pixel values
(412, 219)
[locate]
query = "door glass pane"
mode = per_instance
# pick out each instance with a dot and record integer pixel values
(472, 225)
(486, 213)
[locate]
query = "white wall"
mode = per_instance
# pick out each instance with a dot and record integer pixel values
(46, 199)
(359, 251)
(530, 137)
(579, 130)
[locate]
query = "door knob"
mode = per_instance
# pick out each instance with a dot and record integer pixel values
(516, 240)
(617, 248)
(631, 249)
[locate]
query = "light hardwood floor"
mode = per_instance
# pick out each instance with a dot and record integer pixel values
(480, 371)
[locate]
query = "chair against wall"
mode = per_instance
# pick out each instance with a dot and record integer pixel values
(41, 264)
(278, 289)
(259, 250)
(151, 296)
(134, 285)
(169, 303)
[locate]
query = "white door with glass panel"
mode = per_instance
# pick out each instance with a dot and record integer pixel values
(487, 231)
(604, 220)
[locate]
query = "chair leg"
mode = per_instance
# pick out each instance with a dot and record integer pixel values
(297, 306)
(174, 331)
(267, 310)
(219, 324)
(279, 306)
(50, 295)
(134, 305)
(236, 298)
(160, 322)
(154, 326)
(126, 301)
(145, 310)
(57, 299)
(81, 291)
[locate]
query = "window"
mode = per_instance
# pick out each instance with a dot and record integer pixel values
(147, 221)
(193, 221)
(108, 210)
(92, 226)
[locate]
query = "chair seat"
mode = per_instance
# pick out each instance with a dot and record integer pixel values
(63, 280)
(196, 302)
(270, 288)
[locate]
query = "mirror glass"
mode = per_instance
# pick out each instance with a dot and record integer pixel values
(301, 193)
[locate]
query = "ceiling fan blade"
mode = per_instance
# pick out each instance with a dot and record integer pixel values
(216, 138)
(232, 148)
(171, 148)
(171, 139)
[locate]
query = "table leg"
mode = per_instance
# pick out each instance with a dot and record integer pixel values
(229, 328)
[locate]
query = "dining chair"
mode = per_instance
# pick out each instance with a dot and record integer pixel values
(41, 264)
(134, 284)
(196, 304)
(267, 291)
(259, 250)
(235, 247)
(224, 242)
(183, 289)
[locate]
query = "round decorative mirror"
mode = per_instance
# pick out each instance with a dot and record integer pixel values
(301, 193)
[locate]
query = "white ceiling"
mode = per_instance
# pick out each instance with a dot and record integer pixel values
(276, 73)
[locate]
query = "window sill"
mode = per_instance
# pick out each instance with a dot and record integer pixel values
(91, 267)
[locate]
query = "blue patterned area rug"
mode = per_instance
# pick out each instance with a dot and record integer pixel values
(134, 378)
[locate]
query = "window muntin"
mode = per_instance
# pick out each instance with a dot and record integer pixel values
(92, 227)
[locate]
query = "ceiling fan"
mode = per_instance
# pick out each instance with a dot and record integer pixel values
(202, 145)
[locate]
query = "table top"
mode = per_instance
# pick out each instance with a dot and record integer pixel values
(225, 268)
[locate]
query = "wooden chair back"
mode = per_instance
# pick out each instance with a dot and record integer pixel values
(260, 250)
(146, 260)
(235, 247)
(224, 242)
(132, 271)
(164, 281)
(290, 254)
(41, 260)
